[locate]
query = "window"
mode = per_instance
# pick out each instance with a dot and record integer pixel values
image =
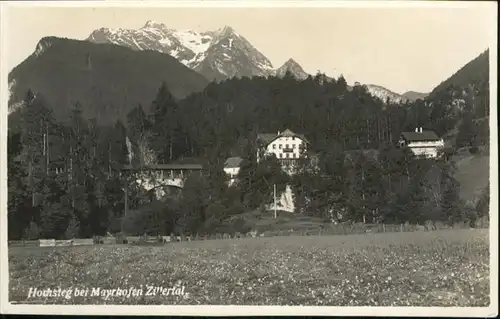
(293, 138)
(281, 155)
(287, 155)
(293, 145)
(274, 146)
(286, 145)
(279, 146)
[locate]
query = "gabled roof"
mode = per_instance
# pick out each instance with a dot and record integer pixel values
(233, 162)
(267, 138)
(423, 136)
(287, 133)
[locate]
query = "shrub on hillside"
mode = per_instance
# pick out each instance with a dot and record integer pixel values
(115, 225)
(73, 229)
(240, 225)
(482, 222)
(121, 238)
(483, 204)
(153, 219)
(474, 150)
(31, 232)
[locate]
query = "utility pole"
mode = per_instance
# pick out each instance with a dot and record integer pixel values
(125, 191)
(274, 191)
(274, 195)
(47, 148)
(126, 199)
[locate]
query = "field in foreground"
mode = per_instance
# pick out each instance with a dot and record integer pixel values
(442, 268)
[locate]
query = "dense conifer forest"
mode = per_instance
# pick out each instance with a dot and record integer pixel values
(64, 177)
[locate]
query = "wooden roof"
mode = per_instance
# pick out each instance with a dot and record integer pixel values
(420, 136)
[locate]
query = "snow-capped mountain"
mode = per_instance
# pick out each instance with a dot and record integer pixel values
(186, 46)
(294, 68)
(218, 54)
(384, 94)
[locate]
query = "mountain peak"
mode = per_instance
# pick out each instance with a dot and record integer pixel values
(291, 62)
(154, 24)
(385, 94)
(219, 54)
(292, 67)
(44, 44)
(80, 60)
(225, 31)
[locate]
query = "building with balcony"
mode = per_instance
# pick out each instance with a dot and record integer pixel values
(287, 146)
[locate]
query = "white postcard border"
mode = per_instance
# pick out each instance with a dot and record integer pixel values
(205, 310)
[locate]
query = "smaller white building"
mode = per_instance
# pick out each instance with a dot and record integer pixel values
(422, 143)
(232, 168)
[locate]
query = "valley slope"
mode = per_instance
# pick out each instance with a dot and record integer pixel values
(107, 80)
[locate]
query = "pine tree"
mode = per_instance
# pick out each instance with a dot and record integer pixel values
(138, 124)
(73, 228)
(341, 82)
(450, 202)
(37, 121)
(483, 204)
(54, 219)
(165, 126)
(467, 132)
(194, 201)
(357, 193)
(119, 149)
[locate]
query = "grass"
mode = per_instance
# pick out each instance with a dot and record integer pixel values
(442, 268)
(265, 222)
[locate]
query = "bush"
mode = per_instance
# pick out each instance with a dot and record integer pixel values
(73, 229)
(153, 218)
(98, 240)
(482, 222)
(240, 225)
(121, 238)
(474, 150)
(31, 232)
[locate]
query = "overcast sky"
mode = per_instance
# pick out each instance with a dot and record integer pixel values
(400, 48)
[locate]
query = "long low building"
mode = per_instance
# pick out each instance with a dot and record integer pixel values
(157, 175)
(173, 170)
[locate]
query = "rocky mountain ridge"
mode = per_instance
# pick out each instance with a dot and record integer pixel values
(217, 55)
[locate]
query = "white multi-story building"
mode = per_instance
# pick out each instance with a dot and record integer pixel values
(422, 143)
(287, 146)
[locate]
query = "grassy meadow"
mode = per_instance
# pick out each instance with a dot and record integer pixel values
(440, 268)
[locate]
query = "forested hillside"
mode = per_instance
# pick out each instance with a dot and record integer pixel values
(106, 80)
(475, 73)
(384, 185)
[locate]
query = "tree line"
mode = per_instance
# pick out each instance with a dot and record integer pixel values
(65, 179)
